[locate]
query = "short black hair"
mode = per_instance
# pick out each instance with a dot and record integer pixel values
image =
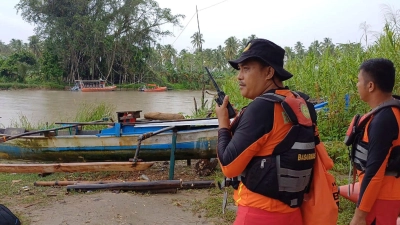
(380, 71)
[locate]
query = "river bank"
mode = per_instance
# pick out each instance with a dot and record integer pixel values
(67, 87)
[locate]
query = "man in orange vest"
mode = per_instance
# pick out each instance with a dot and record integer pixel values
(376, 147)
(269, 148)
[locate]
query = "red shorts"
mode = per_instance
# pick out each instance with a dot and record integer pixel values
(253, 216)
(384, 212)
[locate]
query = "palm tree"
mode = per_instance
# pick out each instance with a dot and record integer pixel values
(197, 41)
(252, 37)
(243, 44)
(34, 45)
(16, 45)
(315, 48)
(4, 49)
(169, 54)
(327, 45)
(289, 53)
(220, 61)
(299, 48)
(231, 47)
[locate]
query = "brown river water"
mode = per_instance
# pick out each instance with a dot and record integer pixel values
(41, 106)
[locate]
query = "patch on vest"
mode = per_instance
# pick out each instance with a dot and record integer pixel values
(303, 157)
(304, 110)
(286, 118)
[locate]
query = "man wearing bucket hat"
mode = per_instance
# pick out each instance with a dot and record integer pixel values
(255, 146)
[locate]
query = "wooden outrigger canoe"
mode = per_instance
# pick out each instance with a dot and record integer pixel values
(195, 139)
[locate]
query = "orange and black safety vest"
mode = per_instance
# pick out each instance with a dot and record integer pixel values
(359, 148)
(286, 173)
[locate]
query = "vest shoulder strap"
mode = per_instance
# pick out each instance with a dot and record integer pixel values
(277, 98)
(391, 103)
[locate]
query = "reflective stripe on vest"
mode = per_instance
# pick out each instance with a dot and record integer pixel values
(361, 153)
(304, 145)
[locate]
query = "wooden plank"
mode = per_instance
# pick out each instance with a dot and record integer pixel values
(66, 182)
(74, 167)
(133, 186)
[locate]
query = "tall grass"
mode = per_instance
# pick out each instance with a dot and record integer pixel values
(23, 122)
(90, 112)
(87, 112)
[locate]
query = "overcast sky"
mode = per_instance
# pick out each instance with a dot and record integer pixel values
(282, 21)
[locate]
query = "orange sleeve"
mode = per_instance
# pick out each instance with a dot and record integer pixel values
(237, 166)
(372, 190)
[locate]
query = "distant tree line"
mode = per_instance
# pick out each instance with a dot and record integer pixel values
(116, 40)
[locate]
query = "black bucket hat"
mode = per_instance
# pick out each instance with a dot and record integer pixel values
(268, 52)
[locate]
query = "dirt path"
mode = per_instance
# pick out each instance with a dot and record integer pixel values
(120, 208)
(54, 206)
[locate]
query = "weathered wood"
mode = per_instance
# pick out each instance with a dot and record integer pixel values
(46, 132)
(74, 167)
(198, 184)
(7, 138)
(131, 186)
(163, 116)
(73, 182)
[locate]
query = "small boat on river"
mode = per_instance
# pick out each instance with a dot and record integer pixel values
(152, 88)
(92, 86)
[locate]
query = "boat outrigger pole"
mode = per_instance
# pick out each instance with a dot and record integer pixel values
(145, 136)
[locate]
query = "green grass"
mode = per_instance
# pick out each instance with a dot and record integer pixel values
(89, 112)
(211, 206)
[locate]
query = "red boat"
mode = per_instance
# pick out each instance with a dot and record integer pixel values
(153, 88)
(92, 86)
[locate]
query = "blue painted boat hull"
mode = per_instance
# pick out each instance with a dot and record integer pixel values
(108, 145)
(195, 139)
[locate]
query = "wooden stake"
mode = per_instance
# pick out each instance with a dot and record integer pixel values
(74, 167)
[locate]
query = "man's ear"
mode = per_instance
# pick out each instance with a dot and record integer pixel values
(269, 72)
(371, 86)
